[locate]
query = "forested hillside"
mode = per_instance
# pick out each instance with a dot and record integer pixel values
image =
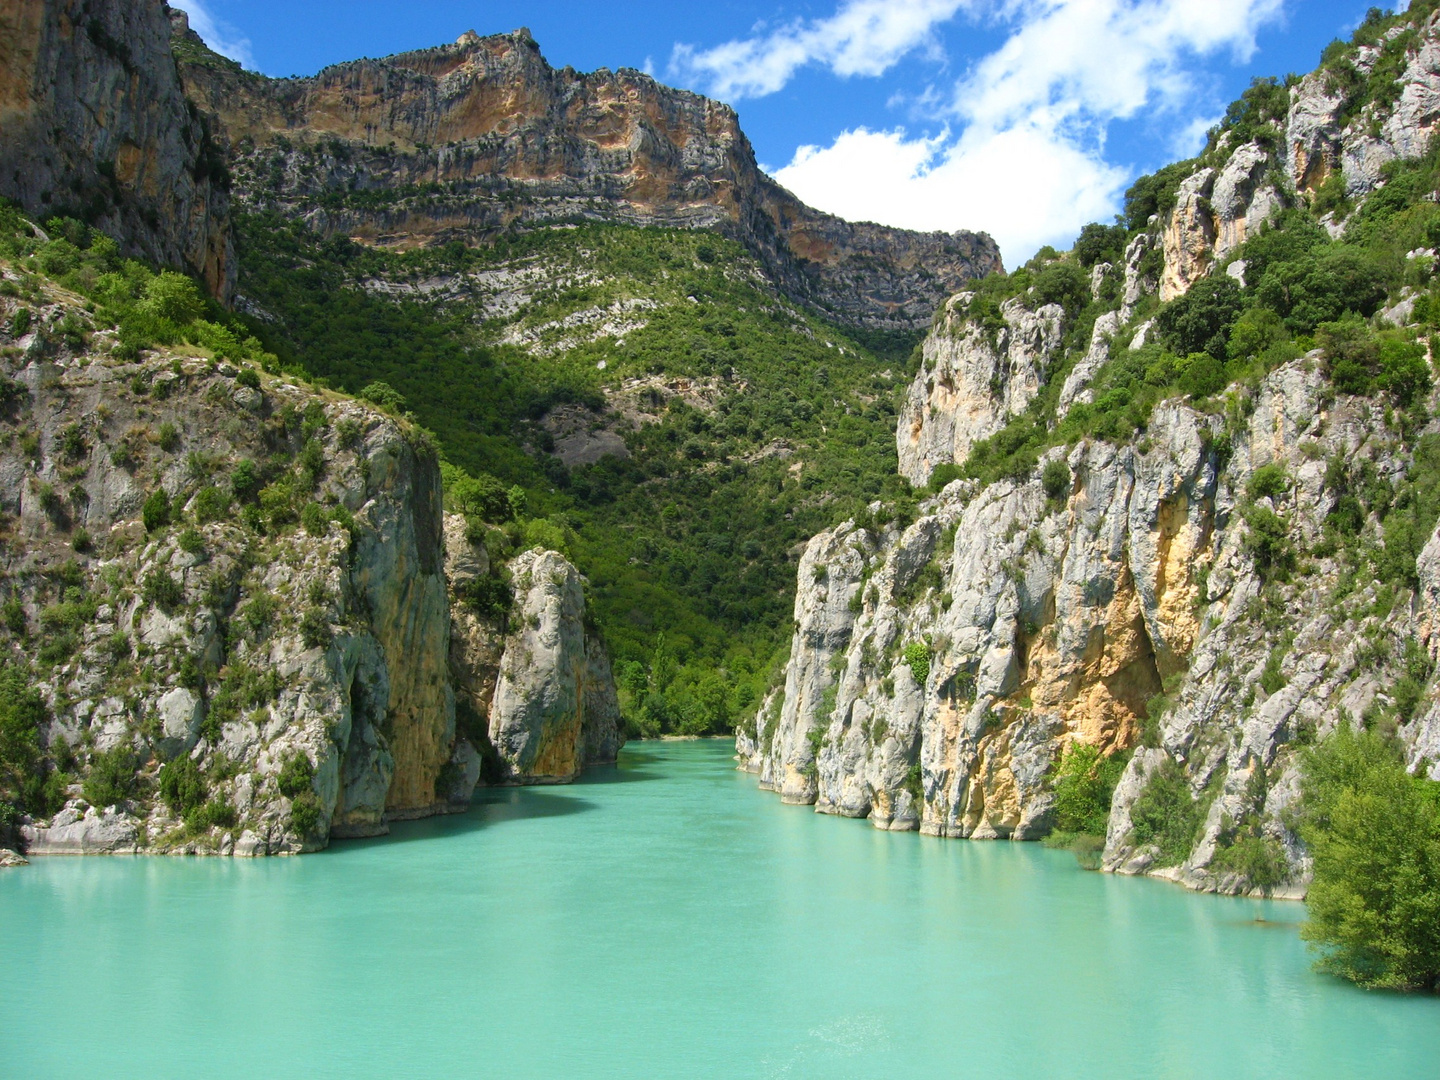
(673, 424)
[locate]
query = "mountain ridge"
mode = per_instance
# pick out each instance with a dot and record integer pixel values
(483, 135)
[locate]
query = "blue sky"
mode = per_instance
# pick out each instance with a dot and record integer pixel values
(1026, 118)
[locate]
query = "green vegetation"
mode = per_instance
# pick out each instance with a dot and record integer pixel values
(786, 428)
(1245, 848)
(296, 783)
(918, 655)
(1374, 833)
(1167, 815)
(27, 781)
(1084, 782)
(111, 778)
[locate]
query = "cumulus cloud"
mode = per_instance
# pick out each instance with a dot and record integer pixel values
(218, 34)
(1022, 185)
(1022, 151)
(864, 37)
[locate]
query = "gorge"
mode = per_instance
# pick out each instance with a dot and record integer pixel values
(415, 437)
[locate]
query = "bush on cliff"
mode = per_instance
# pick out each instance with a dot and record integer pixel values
(1084, 784)
(1374, 833)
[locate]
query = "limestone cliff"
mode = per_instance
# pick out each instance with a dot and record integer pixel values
(465, 140)
(1344, 124)
(1181, 582)
(939, 670)
(972, 379)
(94, 122)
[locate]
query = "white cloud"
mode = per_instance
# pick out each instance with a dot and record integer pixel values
(218, 34)
(864, 37)
(1022, 185)
(1022, 156)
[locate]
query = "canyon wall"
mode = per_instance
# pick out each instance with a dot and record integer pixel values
(244, 581)
(1178, 594)
(94, 123)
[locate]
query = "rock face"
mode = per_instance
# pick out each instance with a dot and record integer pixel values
(972, 379)
(1235, 189)
(554, 703)
(941, 666)
(535, 684)
(938, 671)
(174, 607)
(1322, 138)
(94, 122)
(464, 140)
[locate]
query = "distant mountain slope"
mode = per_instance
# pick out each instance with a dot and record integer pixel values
(465, 140)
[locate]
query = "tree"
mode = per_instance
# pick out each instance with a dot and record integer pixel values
(1374, 832)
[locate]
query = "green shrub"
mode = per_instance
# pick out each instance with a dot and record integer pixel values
(1056, 479)
(174, 298)
(490, 596)
(384, 395)
(1166, 815)
(1084, 784)
(1200, 321)
(1268, 543)
(211, 504)
(240, 687)
(22, 712)
(217, 812)
(246, 481)
(944, 473)
(191, 541)
(1100, 243)
(315, 520)
(248, 377)
(181, 785)
(296, 775)
(918, 655)
(304, 813)
(164, 591)
(168, 437)
(1374, 834)
(112, 777)
(1268, 481)
(315, 628)
(156, 510)
(1260, 860)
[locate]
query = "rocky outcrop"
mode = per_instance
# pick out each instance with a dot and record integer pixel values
(972, 379)
(1215, 212)
(1322, 136)
(466, 140)
(94, 123)
(1235, 189)
(260, 643)
(535, 682)
(554, 708)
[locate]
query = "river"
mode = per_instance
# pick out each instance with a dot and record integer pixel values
(666, 919)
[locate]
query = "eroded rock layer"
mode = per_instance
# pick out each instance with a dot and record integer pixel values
(464, 140)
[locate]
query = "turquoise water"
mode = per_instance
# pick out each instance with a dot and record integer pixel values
(666, 919)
